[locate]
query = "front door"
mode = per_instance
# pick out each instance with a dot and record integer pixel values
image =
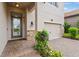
(16, 25)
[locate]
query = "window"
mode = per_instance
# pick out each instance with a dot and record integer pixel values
(54, 3)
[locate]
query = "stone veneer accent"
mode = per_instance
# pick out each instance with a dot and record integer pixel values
(30, 34)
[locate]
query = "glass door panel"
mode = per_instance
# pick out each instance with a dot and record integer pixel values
(16, 27)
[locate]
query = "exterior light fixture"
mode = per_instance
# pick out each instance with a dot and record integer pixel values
(31, 23)
(44, 2)
(17, 5)
(51, 19)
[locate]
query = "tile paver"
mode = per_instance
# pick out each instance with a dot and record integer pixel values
(20, 48)
(24, 48)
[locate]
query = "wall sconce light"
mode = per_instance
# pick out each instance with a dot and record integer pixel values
(31, 23)
(51, 19)
(44, 2)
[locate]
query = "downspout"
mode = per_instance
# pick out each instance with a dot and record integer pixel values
(36, 16)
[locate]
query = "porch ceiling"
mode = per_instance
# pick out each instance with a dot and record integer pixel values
(22, 5)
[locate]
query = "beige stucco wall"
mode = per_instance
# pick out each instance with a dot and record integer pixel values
(3, 27)
(46, 12)
(31, 17)
(72, 20)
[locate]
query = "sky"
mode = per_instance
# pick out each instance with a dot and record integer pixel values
(69, 6)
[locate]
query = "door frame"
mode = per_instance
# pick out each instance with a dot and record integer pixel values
(12, 24)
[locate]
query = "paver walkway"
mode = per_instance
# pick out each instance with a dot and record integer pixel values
(24, 48)
(68, 47)
(20, 48)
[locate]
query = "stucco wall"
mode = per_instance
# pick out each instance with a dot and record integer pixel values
(3, 27)
(72, 20)
(31, 18)
(46, 12)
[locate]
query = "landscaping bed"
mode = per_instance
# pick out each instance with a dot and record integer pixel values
(68, 35)
(42, 47)
(71, 32)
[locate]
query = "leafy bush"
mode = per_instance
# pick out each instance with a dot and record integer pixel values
(47, 52)
(67, 35)
(41, 38)
(66, 27)
(41, 46)
(77, 37)
(54, 53)
(77, 24)
(73, 31)
(78, 31)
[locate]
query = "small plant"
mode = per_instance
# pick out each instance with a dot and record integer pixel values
(78, 30)
(41, 38)
(73, 31)
(77, 37)
(77, 24)
(41, 46)
(66, 27)
(67, 35)
(55, 53)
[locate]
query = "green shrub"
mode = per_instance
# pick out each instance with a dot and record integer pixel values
(41, 46)
(77, 37)
(78, 31)
(73, 31)
(55, 53)
(41, 35)
(47, 52)
(41, 38)
(77, 24)
(67, 35)
(66, 27)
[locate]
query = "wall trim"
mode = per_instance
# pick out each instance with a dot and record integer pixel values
(71, 16)
(35, 16)
(53, 23)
